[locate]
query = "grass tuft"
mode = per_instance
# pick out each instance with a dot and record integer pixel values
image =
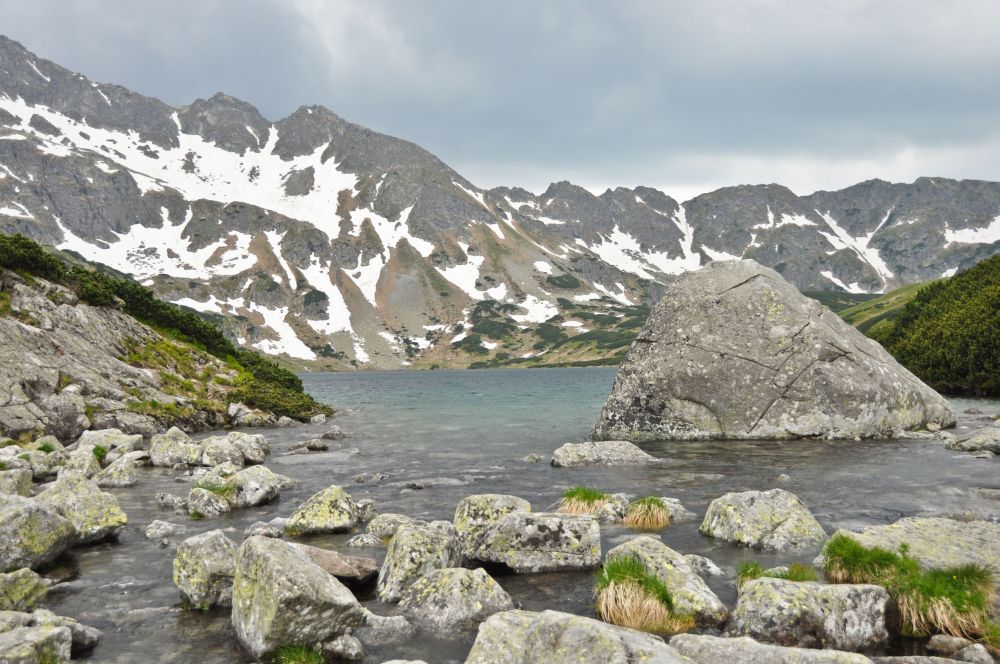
(647, 513)
(48, 448)
(628, 595)
(100, 452)
(298, 654)
(954, 600)
(225, 489)
(4, 466)
(582, 500)
(751, 570)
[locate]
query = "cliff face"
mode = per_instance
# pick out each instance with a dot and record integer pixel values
(66, 367)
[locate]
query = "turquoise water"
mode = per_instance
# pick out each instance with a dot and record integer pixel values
(457, 433)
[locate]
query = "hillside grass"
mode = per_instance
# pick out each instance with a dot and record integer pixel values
(261, 383)
(879, 313)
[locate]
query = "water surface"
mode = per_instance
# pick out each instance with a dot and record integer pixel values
(463, 432)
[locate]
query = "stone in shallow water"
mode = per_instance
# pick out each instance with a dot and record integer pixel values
(281, 597)
(413, 552)
(705, 649)
(541, 542)
(204, 568)
(31, 533)
(984, 440)
(255, 485)
(203, 503)
(95, 514)
(447, 601)
(21, 590)
(160, 529)
(690, 594)
(601, 453)
(475, 514)
(331, 510)
(774, 520)
(733, 351)
(553, 637)
(352, 571)
(384, 526)
(811, 615)
(36, 645)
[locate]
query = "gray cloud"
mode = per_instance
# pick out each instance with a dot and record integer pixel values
(685, 96)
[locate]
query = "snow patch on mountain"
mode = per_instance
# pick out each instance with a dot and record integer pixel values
(983, 235)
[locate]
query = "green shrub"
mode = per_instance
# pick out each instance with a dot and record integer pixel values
(564, 280)
(224, 490)
(794, 572)
(48, 448)
(100, 452)
(298, 654)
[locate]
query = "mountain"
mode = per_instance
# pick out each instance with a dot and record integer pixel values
(334, 245)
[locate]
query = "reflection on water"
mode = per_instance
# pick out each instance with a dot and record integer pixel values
(464, 432)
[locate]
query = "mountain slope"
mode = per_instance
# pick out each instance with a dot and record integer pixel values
(321, 240)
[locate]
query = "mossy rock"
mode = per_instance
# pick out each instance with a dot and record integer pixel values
(31, 533)
(331, 510)
(204, 567)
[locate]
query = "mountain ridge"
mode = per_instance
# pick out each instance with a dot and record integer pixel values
(333, 244)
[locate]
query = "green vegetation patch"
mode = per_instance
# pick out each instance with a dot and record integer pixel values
(627, 594)
(564, 280)
(751, 570)
(298, 654)
(953, 600)
(100, 452)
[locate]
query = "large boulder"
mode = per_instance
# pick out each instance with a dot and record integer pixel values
(733, 351)
(475, 514)
(281, 597)
(553, 637)
(541, 542)
(122, 472)
(36, 645)
(255, 485)
(447, 601)
(204, 567)
(174, 447)
(218, 450)
(705, 649)
(936, 542)
(111, 439)
(811, 615)
(774, 520)
(331, 510)
(95, 514)
(601, 453)
(253, 446)
(31, 533)
(21, 590)
(202, 503)
(82, 460)
(413, 552)
(690, 593)
(384, 526)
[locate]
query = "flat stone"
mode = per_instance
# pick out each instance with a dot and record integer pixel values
(774, 520)
(601, 453)
(705, 649)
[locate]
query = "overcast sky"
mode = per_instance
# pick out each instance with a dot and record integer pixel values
(686, 96)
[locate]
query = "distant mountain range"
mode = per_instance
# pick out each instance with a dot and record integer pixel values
(330, 243)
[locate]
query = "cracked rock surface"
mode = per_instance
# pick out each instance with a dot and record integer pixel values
(733, 351)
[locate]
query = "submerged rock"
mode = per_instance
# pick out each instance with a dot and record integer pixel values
(160, 529)
(601, 453)
(331, 510)
(705, 649)
(733, 351)
(812, 615)
(690, 594)
(413, 552)
(541, 542)
(553, 637)
(774, 520)
(352, 571)
(281, 597)
(95, 514)
(204, 568)
(475, 514)
(447, 601)
(937, 542)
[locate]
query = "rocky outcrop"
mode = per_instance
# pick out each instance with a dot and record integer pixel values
(31, 533)
(812, 615)
(281, 597)
(541, 542)
(446, 602)
(475, 514)
(937, 542)
(63, 368)
(601, 453)
(734, 351)
(204, 567)
(705, 649)
(413, 552)
(526, 637)
(774, 520)
(691, 596)
(331, 510)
